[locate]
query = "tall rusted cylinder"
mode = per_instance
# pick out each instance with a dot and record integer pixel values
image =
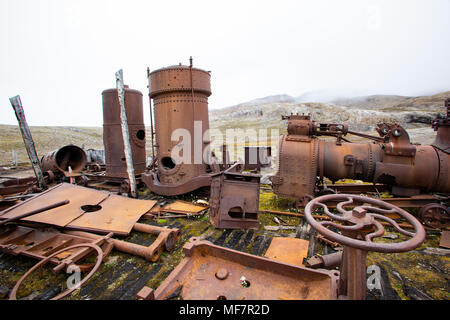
(112, 133)
(180, 98)
(60, 160)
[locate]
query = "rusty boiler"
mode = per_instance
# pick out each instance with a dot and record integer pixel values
(180, 101)
(65, 159)
(390, 159)
(112, 132)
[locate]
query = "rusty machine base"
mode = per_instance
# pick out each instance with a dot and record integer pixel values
(210, 272)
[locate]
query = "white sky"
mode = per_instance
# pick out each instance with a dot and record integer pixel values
(60, 55)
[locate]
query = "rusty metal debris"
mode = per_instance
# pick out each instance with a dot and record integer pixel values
(358, 227)
(146, 293)
(67, 261)
(257, 157)
(210, 272)
(39, 243)
(407, 170)
(89, 210)
(328, 261)
(288, 250)
(20, 186)
(166, 240)
(234, 199)
(183, 207)
(445, 239)
(65, 160)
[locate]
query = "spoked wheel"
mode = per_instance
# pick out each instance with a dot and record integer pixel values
(435, 215)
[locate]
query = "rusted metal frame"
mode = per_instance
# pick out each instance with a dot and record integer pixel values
(358, 187)
(229, 265)
(38, 243)
(28, 140)
(152, 182)
(166, 239)
(98, 262)
(126, 134)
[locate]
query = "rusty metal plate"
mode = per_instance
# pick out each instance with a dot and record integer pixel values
(60, 217)
(118, 214)
(210, 272)
(183, 206)
(115, 213)
(445, 239)
(288, 250)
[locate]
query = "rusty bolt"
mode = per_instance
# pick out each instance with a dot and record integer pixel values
(359, 212)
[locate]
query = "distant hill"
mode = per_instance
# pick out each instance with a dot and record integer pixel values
(361, 113)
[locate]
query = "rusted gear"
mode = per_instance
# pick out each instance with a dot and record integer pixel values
(435, 215)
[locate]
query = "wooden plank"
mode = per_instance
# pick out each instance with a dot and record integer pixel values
(28, 140)
(126, 134)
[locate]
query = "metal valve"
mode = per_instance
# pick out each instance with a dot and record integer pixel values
(357, 228)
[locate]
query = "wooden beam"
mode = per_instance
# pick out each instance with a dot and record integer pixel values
(28, 140)
(125, 133)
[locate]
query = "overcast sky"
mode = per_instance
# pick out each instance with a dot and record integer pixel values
(60, 55)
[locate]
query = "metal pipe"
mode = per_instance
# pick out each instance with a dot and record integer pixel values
(33, 212)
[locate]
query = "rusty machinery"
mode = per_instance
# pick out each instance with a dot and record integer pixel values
(257, 157)
(234, 199)
(210, 272)
(390, 161)
(180, 99)
(112, 132)
(65, 160)
(115, 169)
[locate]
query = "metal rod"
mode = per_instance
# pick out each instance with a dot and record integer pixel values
(125, 133)
(28, 140)
(33, 212)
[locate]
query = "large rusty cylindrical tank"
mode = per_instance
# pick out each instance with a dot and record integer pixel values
(60, 160)
(180, 98)
(112, 132)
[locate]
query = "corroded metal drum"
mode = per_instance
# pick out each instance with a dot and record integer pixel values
(61, 160)
(180, 98)
(112, 132)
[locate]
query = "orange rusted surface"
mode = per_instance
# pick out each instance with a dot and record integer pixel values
(182, 207)
(115, 213)
(210, 272)
(61, 216)
(288, 250)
